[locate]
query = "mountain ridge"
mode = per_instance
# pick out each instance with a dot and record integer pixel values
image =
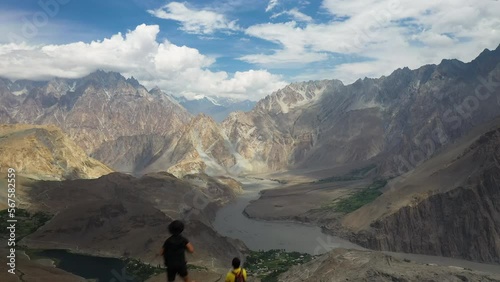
(45, 152)
(311, 124)
(387, 102)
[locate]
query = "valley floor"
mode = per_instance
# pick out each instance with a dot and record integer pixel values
(298, 202)
(293, 202)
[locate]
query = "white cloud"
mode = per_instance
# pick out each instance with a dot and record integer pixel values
(295, 14)
(272, 4)
(295, 51)
(194, 21)
(392, 33)
(180, 70)
(286, 58)
(9, 47)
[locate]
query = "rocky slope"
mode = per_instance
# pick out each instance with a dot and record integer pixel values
(133, 154)
(271, 136)
(397, 121)
(449, 206)
(120, 123)
(45, 152)
(119, 215)
(201, 147)
(93, 110)
(350, 265)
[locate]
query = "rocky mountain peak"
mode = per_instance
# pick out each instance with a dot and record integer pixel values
(451, 68)
(134, 82)
(156, 91)
(109, 80)
(487, 52)
(486, 61)
(113, 84)
(201, 118)
(294, 95)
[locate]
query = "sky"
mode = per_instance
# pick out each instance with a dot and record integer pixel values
(236, 48)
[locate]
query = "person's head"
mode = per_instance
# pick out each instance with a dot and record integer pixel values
(236, 263)
(176, 227)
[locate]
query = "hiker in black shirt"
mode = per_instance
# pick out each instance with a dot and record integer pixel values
(173, 252)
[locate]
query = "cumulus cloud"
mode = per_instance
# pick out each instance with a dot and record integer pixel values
(194, 21)
(272, 4)
(295, 14)
(179, 70)
(390, 33)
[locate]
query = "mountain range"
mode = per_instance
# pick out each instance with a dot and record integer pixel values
(432, 134)
(396, 121)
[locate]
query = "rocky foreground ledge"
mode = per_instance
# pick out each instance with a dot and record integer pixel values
(351, 265)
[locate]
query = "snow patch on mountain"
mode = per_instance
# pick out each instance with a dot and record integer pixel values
(20, 92)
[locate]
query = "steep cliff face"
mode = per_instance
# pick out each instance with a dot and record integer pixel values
(454, 210)
(45, 152)
(462, 223)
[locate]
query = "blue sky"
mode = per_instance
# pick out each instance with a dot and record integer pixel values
(93, 19)
(236, 48)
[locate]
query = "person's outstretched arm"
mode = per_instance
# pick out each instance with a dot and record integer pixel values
(189, 247)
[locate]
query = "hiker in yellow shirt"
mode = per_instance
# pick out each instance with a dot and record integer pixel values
(237, 274)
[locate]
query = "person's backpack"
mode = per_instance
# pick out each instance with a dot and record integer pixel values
(239, 277)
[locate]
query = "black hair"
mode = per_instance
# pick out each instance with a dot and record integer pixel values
(176, 227)
(236, 263)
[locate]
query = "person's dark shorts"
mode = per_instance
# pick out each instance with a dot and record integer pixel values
(172, 271)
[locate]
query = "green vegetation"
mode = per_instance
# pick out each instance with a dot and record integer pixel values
(358, 199)
(27, 222)
(356, 174)
(268, 265)
(140, 270)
